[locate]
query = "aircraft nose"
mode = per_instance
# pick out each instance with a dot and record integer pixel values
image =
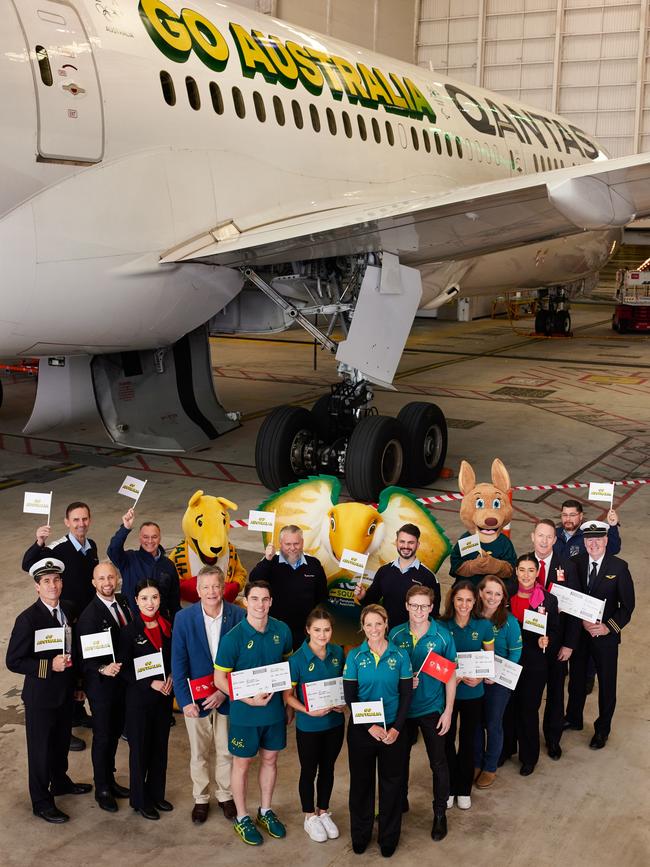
(491, 522)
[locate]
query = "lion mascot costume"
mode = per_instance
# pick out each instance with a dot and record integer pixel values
(205, 524)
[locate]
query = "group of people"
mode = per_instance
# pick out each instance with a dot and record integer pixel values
(470, 725)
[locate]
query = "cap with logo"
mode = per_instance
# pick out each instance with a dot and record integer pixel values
(594, 529)
(46, 566)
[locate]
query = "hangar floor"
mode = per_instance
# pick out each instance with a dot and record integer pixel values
(554, 410)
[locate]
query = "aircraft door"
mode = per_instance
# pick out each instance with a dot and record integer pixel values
(517, 164)
(68, 96)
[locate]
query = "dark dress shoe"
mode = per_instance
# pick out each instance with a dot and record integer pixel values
(387, 851)
(229, 809)
(526, 770)
(200, 813)
(106, 801)
(76, 744)
(567, 724)
(118, 791)
(597, 742)
(359, 848)
(439, 830)
(147, 812)
(52, 815)
(554, 752)
(163, 806)
(73, 789)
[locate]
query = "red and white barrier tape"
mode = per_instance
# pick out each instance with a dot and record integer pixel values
(450, 498)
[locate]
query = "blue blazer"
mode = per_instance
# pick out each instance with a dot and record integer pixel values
(191, 656)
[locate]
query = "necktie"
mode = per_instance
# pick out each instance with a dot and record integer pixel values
(592, 576)
(542, 573)
(118, 614)
(55, 615)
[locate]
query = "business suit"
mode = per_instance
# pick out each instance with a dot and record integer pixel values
(48, 699)
(614, 584)
(105, 694)
(148, 718)
(191, 658)
(567, 636)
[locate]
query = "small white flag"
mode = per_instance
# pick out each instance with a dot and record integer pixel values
(353, 561)
(97, 644)
(149, 665)
(368, 712)
(37, 504)
(469, 544)
(49, 639)
(132, 487)
(602, 492)
(261, 521)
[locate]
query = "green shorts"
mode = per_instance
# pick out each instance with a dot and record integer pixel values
(247, 741)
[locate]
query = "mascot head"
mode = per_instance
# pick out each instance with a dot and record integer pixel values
(354, 526)
(205, 525)
(485, 508)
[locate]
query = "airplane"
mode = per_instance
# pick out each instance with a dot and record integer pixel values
(169, 172)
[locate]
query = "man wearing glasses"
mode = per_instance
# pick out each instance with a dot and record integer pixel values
(569, 540)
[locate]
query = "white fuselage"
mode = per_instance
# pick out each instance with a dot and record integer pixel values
(99, 175)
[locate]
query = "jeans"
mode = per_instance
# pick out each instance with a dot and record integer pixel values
(488, 741)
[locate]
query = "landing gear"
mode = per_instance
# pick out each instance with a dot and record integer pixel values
(553, 315)
(344, 437)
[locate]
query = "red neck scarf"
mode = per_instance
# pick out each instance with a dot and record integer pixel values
(153, 628)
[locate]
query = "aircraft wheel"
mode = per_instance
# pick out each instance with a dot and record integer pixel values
(375, 456)
(426, 443)
(541, 321)
(284, 436)
(321, 418)
(562, 322)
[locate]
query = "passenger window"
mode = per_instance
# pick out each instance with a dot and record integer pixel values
(363, 132)
(426, 140)
(415, 139)
(260, 109)
(376, 131)
(555, 162)
(459, 147)
(44, 66)
(278, 108)
(436, 137)
(390, 135)
(448, 144)
(347, 125)
(238, 102)
(468, 149)
(297, 114)
(168, 90)
(193, 93)
(216, 97)
(535, 162)
(543, 162)
(315, 118)
(479, 152)
(331, 121)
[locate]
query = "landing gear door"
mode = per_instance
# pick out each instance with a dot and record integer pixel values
(68, 96)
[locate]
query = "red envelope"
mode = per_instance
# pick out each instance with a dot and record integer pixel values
(438, 667)
(202, 687)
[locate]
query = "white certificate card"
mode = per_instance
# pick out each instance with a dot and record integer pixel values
(266, 678)
(320, 694)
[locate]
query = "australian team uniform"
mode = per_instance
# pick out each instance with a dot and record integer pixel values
(319, 739)
(427, 704)
(244, 647)
(368, 677)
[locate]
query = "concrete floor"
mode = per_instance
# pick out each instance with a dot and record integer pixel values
(554, 410)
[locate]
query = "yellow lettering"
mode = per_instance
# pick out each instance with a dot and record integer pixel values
(252, 56)
(165, 28)
(209, 44)
(351, 79)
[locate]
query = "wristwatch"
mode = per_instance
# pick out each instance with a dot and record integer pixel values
(101, 669)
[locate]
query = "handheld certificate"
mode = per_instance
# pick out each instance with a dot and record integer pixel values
(476, 663)
(506, 672)
(319, 694)
(252, 681)
(579, 605)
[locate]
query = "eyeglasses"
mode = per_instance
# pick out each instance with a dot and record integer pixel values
(414, 607)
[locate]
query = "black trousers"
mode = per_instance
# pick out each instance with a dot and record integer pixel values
(528, 699)
(367, 758)
(435, 747)
(108, 725)
(147, 729)
(48, 740)
(318, 752)
(554, 710)
(604, 651)
(465, 719)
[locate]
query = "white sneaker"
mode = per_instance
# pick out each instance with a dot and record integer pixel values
(328, 823)
(315, 830)
(464, 802)
(450, 802)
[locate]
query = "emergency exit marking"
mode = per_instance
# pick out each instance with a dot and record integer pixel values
(72, 112)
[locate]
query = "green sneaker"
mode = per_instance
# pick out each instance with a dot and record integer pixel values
(248, 832)
(272, 824)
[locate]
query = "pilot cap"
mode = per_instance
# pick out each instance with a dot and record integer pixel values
(47, 566)
(594, 529)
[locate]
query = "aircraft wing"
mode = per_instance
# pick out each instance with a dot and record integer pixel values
(469, 221)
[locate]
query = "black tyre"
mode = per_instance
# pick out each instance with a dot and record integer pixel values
(280, 445)
(541, 321)
(321, 418)
(426, 443)
(562, 322)
(375, 456)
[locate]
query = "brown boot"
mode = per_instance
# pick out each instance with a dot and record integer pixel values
(477, 773)
(485, 779)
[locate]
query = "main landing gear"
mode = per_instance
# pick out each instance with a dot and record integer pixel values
(553, 315)
(342, 435)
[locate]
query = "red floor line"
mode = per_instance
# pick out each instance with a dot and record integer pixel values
(185, 469)
(222, 469)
